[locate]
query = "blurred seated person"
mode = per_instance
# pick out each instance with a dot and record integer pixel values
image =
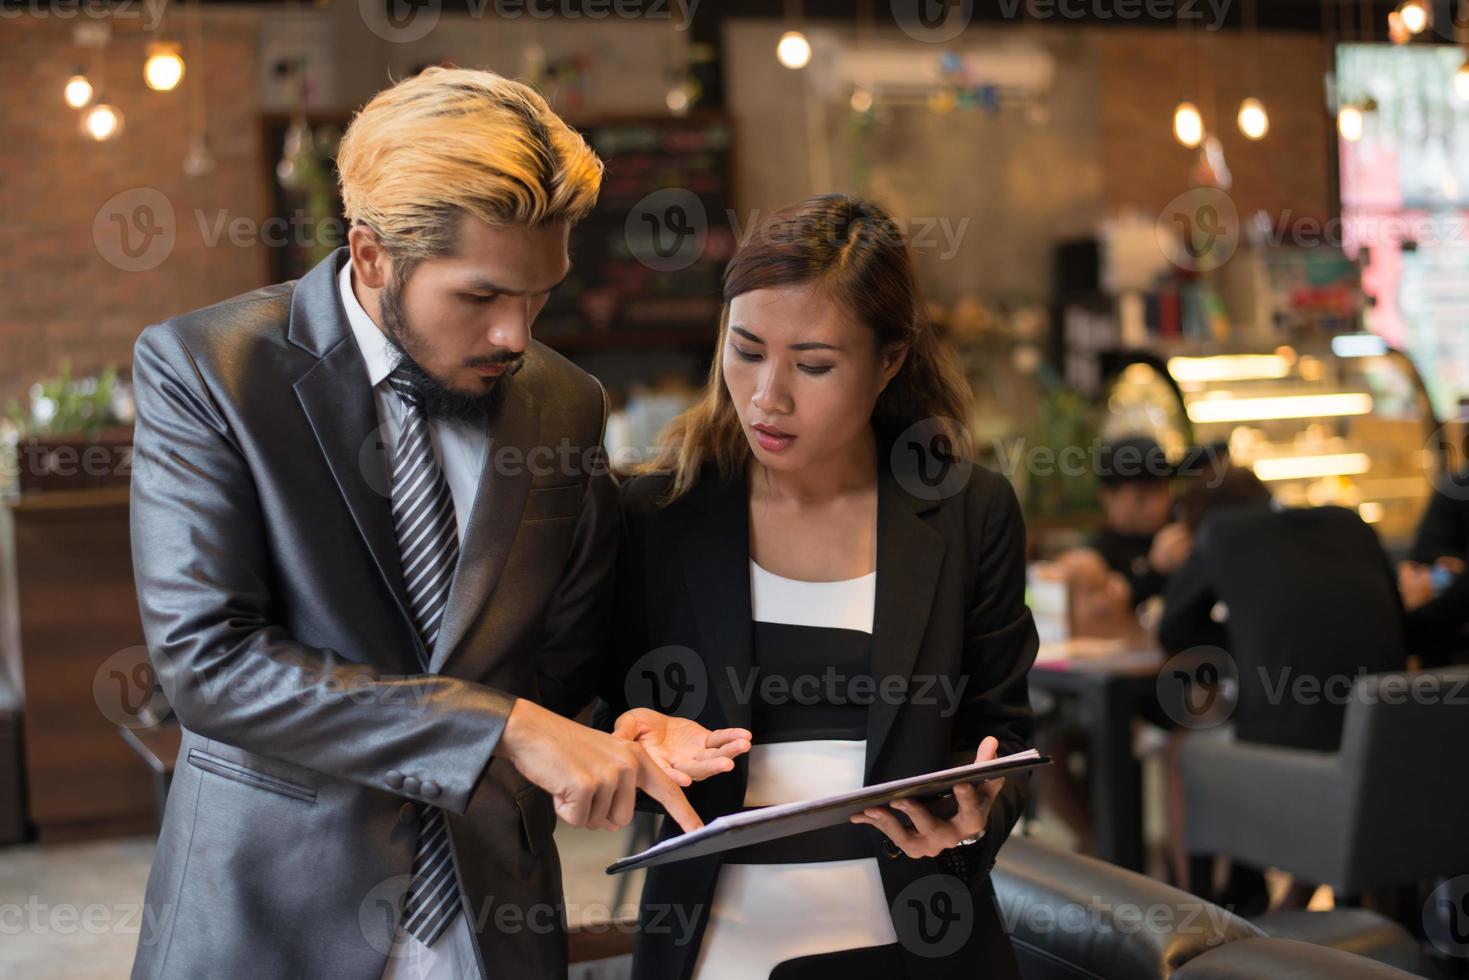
(1307, 602)
(1122, 566)
(1136, 541)
(1125, 564)
(1434, 588)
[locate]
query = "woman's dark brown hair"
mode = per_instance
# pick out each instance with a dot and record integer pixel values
(856, 254)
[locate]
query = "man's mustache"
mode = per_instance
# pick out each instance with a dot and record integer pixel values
(513, 361)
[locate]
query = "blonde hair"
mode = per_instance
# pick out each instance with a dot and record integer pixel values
(450, 142)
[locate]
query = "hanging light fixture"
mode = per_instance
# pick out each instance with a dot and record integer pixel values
(1349, 122)
(793, 50)
(1254, 122)
(102, 121)
(164, 68)
(1188, 125)
(1416, 16)
(78, 90)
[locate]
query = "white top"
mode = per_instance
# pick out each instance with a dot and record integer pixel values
(765, 914)
(459, 446)
(846, 604)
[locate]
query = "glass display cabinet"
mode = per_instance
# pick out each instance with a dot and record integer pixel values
(1345, 422)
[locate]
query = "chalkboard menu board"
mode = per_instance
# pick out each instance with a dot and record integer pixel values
(646, 263)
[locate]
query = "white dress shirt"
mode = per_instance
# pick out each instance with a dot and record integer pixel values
(460, 448)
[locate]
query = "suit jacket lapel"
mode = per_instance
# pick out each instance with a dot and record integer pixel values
(716, 561)
(338, 403)
(498, 504)
(910, 555)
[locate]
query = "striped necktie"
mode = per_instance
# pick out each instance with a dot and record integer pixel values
(428, 540)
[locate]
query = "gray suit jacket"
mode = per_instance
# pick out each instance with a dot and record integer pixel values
(273, 601)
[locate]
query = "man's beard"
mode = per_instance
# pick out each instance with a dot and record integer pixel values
(438, 400)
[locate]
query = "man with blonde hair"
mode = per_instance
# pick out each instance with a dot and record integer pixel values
(372, 539)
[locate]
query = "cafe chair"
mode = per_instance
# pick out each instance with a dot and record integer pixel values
(1385, 810)
(1072, 917)
(1382, 811)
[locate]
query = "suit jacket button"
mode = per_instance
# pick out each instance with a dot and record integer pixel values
(406, 813)
(410, 785)
(395, 779)
(429, 790)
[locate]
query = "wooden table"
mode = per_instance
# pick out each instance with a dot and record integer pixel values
(1111, 688)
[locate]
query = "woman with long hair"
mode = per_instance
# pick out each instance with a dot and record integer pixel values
(846, 588)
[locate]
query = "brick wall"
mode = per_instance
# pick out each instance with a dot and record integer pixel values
(62, 297)
(1142, 76)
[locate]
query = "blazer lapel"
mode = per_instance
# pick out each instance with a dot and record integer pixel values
(498, 504)
(910, 555)
(716, 561)
(338, 403)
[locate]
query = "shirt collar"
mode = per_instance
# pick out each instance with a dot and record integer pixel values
(378, 354)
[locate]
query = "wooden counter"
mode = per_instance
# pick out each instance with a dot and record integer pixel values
(72, 595)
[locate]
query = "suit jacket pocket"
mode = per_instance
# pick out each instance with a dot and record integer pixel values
(551, 503)
(537, 819)
(209, 762)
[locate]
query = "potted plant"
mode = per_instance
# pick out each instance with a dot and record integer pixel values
(75, 433)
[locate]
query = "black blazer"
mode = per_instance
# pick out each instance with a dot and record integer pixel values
(1311, 600)
(950, 603)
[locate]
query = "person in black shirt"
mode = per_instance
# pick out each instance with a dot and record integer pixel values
(1137, 501)
(1307, 601)
(1433, 584)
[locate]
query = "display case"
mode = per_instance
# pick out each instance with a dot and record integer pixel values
(1345, 422)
